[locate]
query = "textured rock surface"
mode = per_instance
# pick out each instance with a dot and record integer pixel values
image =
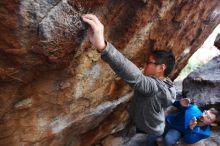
(55, 89)
(205, 83)
(217, 41)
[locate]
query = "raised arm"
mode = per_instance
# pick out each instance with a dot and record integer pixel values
(129, 72)
(120, 64)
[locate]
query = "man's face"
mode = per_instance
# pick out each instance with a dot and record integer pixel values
(151, 67)
(207, 117)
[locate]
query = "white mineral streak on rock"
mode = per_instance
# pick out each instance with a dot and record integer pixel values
(167, 5)
(137, 40)
(61, 122)
(59, 125)
(186, 51)
(25, 103)
(105, 106)
(93, 74)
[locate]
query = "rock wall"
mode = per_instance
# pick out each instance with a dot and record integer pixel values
(55, 89)
(217, 41)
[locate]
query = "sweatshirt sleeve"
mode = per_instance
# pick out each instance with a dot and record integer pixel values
(191, 137)
(129, 72)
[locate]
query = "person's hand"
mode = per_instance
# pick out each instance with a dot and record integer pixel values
(193, 123)
(96, 31)
(185, 102)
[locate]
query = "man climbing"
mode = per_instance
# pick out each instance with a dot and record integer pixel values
(153, 90)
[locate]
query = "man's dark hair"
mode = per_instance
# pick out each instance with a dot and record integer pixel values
(165, 57)
(217, 113)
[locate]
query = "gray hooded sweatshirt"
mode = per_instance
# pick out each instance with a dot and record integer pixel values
(151, 95)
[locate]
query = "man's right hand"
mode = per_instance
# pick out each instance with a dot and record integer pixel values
(96, 31)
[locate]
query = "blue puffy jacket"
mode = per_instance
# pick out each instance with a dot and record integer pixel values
(181, 120)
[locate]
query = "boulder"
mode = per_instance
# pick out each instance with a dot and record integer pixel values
(217, 41)
(203, 84)
(55, 89)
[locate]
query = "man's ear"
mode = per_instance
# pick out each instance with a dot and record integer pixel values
(213, 124)
(163, 67)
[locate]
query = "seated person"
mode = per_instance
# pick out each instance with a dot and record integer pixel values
(190, 123)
